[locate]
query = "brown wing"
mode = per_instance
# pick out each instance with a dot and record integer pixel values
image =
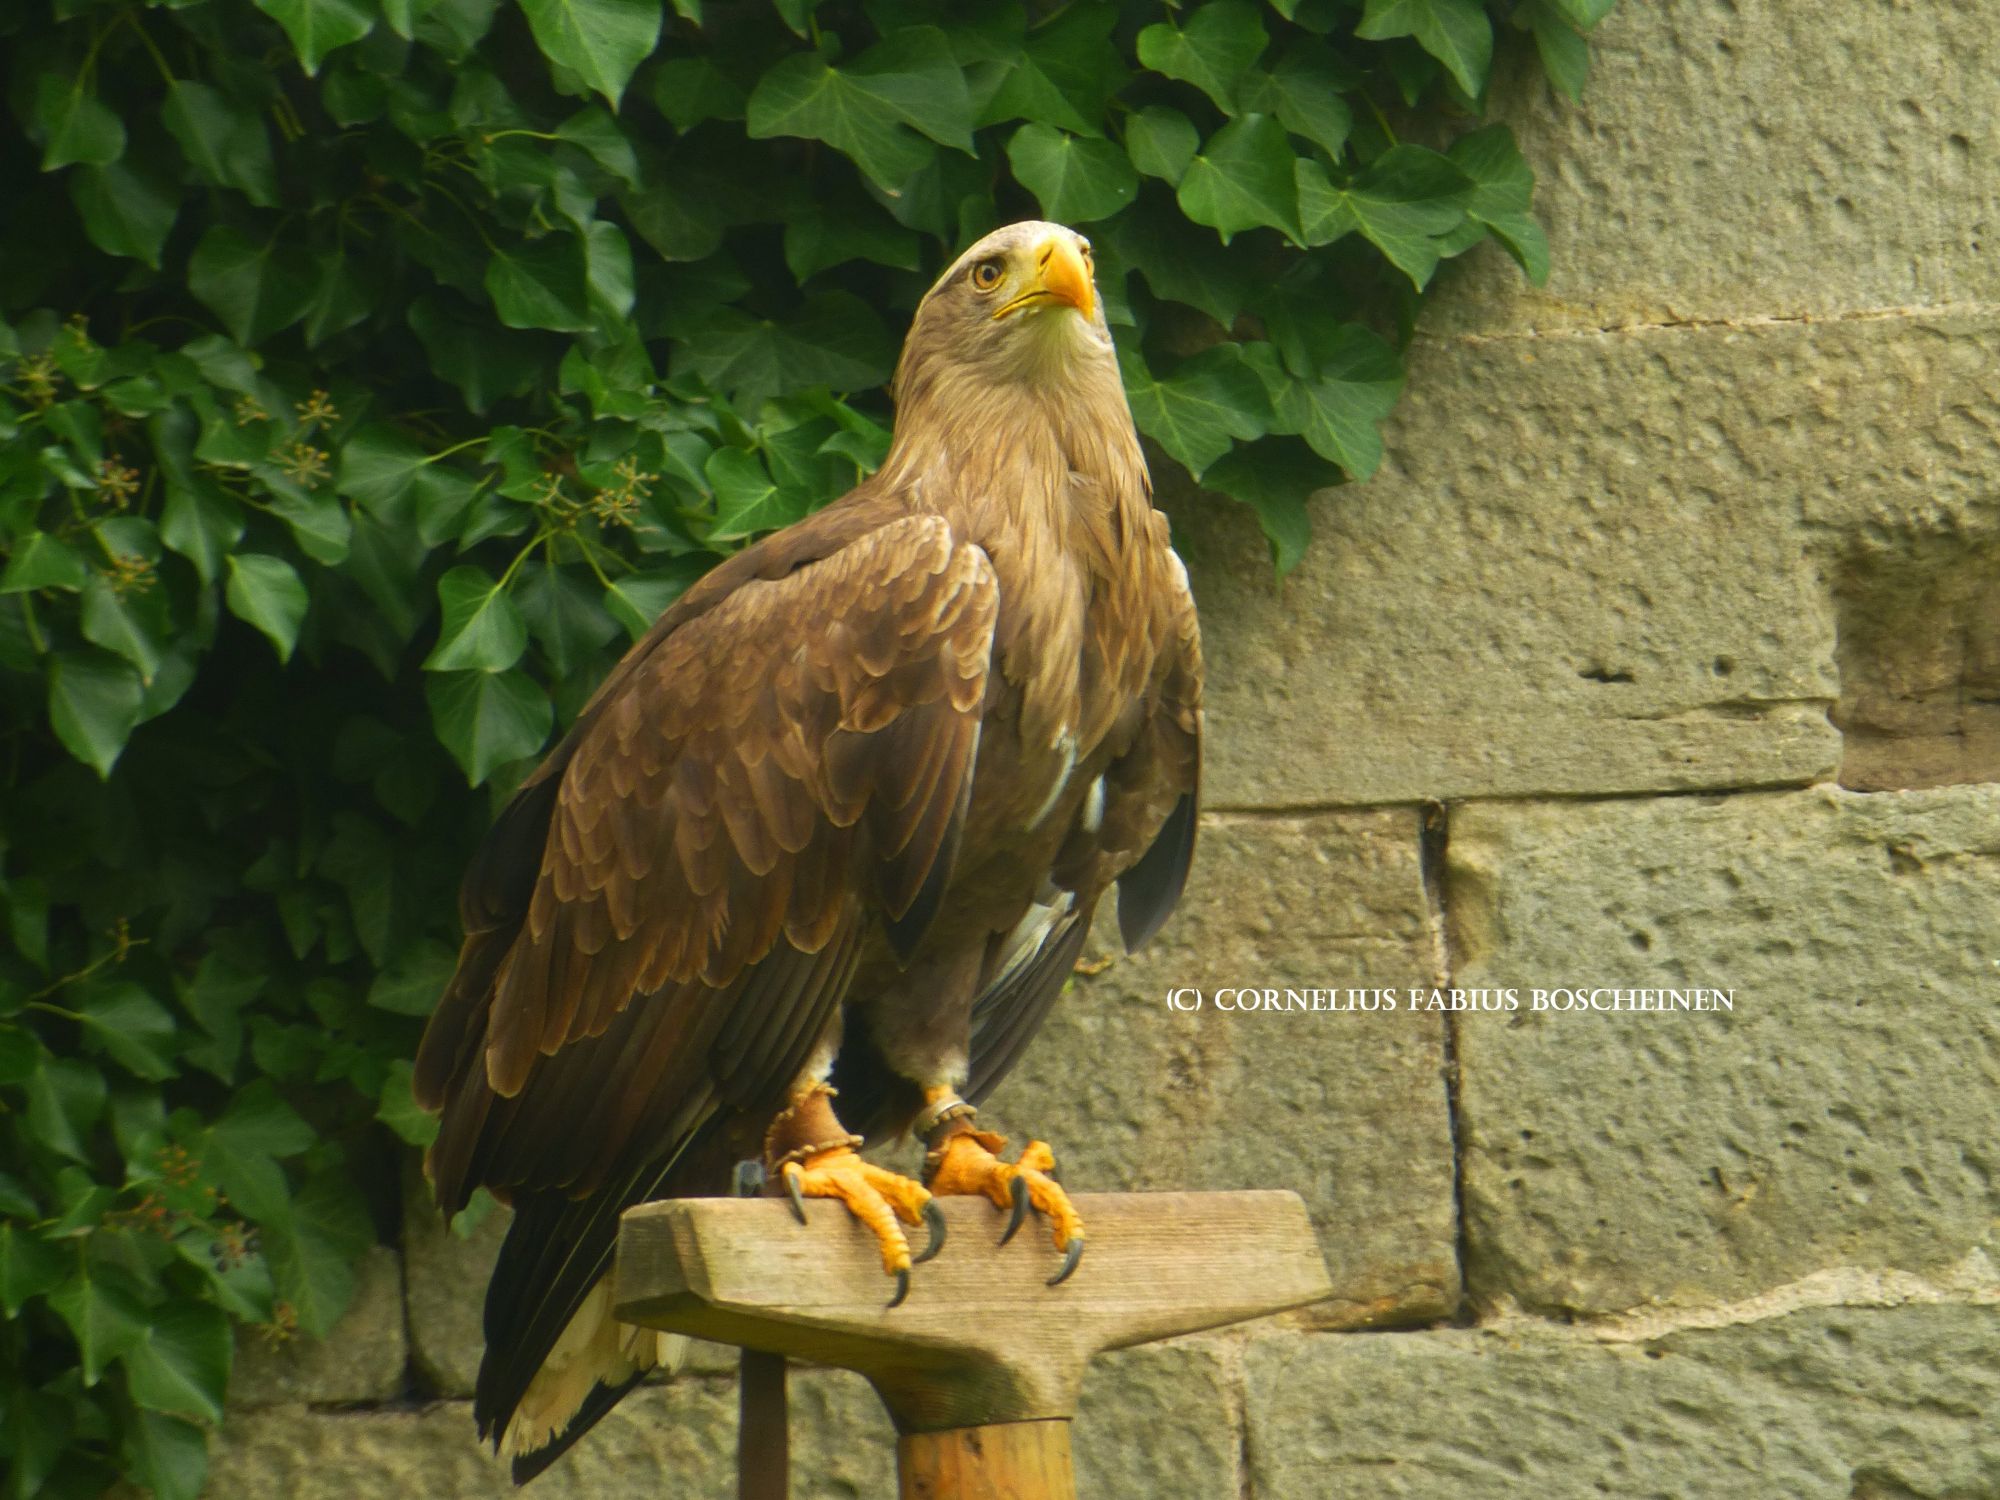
(1144, 840)
(1152, 792)
(755, 784)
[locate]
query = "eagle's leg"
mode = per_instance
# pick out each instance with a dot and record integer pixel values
(814, 1155)
(965, 1160)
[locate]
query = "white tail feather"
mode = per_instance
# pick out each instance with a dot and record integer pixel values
(594, 1349)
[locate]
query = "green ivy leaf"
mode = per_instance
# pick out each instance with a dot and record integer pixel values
(834, 340)
(403, 15)
(1243, 179)
(201, 522)
(20, 1053)
(608, 275)
(319, 523)
(40, 561)
(1503, 185)
(819, 242)
(1304, 91)
(605, 140)
(94, 705)
(65, 1099)
(541, 284)
(240, 1151)
(413, 980)
(75, 125)
(909, 82)
(1401, 202)
(689, 90)
(1340, 409)
(1199, 410)
(181, 1366)
(125, 211)
(1076, 180)
(104, 1314)
(396, 1107)
(312, 1250)
(225, 142)
(265, 591)
(1564, 52)
(255, 289)
(36, 1427)
(1161, 142)
(29, 1266)
(564, 615)
(747, 500)
(317, 27)
(1275, 477)
(378, 469)
(169, 1455)
(1219, 44)
(601, 41)
(134, 1028)
(1455, 32)
(638, 599)
(1584, 14)
(488, 719)
(482, 630)
(486, 363)
(1183, 264)
(1064, 74)
(132, 625)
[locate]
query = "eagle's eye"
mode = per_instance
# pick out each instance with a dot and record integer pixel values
(986, 275)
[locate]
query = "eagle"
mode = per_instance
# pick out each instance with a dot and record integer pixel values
(817, 859)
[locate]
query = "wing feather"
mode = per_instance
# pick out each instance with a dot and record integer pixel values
(786, 766)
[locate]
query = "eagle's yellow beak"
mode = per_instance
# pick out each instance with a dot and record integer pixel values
(1060, 276)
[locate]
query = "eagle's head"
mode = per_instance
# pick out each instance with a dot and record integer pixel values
(1019, 306)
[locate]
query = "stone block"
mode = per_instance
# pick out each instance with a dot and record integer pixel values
(363, 1358)
(670, 1442)
(1161, 1420)
(444, 1289)
(1824, 1404)
(1347, 1109)
(843, 1446)
(1844, 1113)
(1770, 159)
(1592, 566)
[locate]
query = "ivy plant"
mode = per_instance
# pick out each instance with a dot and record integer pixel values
(373, 371)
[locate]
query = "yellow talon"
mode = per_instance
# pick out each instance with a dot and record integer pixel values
(874, 1195)
(967, 1163)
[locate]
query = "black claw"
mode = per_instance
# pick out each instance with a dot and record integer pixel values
(934, 1222)
(1069, 1262)
(749, 1181)
(902, 1288)
(1019, 1188)
(798, 1198)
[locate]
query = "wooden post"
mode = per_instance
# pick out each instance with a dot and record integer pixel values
(981, 1366)
(1000, 1461)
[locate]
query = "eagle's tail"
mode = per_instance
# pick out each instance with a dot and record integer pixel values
(556, 1359)
(594, 1363)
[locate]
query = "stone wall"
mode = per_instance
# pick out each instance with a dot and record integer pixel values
(1664, 651)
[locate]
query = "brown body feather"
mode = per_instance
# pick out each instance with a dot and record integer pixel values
(848, 807)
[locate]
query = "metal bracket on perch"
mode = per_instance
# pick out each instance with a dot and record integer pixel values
(982, 1365)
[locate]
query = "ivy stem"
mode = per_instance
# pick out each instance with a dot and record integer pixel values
(159, 58)
(1382, 120)
(35, 640)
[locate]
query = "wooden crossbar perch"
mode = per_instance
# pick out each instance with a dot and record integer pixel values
(981, 1366)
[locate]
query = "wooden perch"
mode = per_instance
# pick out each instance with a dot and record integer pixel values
(981, 1342)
